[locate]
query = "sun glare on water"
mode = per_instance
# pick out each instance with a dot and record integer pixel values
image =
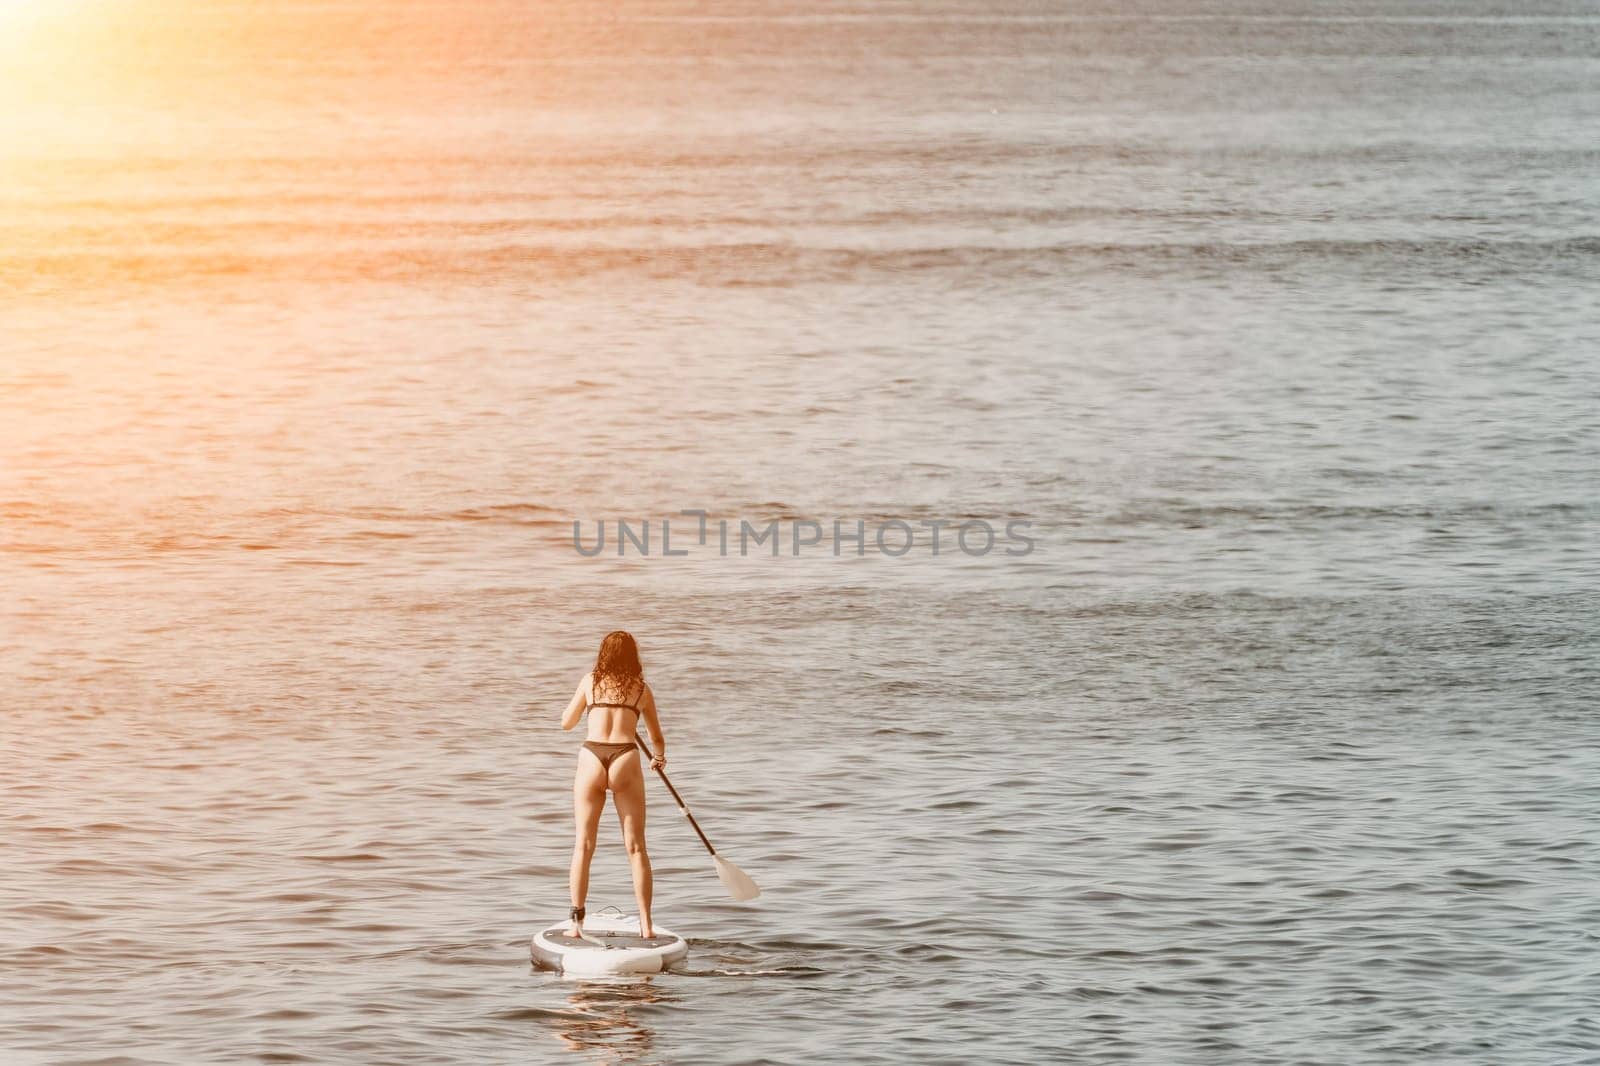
(21, 22)
(53, 69)
(26, 25)
(17, 12)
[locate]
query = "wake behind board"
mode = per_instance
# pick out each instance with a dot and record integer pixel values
(610, 945)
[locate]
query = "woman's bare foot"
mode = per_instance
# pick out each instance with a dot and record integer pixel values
(575, 929)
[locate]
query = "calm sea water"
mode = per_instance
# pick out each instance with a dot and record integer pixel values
(320, 323)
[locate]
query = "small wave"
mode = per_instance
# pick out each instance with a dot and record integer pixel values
(779, 971)
(785, 264)
(538, 1014)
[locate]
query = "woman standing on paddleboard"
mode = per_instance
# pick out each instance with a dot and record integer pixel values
(617, 699)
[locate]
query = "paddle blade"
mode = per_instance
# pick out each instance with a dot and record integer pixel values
(735, 880)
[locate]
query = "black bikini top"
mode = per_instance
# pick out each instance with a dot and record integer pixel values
(634, 706)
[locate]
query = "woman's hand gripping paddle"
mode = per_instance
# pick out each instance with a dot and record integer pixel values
(735, 880)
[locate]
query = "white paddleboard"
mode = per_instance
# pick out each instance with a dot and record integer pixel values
(610, 944)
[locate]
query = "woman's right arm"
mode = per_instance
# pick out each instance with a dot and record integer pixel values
(574, 711)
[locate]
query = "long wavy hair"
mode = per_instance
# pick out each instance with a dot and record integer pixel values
(617, 666)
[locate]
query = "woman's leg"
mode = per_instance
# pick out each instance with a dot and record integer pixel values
(588, 800)
(627, 792)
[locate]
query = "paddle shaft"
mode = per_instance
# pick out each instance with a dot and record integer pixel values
(665, 780)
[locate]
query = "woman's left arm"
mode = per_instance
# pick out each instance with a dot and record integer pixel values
(652, 725)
